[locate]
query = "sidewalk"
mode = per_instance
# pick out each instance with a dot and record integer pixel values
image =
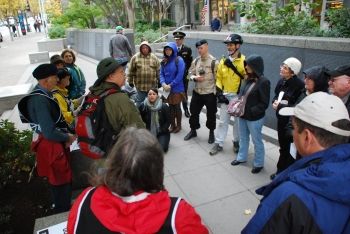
(219, 192)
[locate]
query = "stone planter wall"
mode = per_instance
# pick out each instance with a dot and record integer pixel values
(52, 45)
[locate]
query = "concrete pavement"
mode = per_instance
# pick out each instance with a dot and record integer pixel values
(219, 192)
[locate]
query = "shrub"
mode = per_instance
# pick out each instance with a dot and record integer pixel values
(165, 23)
(339, 22)
(148, 35)
(15, 154)
(57, 31)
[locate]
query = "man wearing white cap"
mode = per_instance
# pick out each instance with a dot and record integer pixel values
(313, 194)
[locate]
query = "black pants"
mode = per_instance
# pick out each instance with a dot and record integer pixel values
(285, 159)
(197, 103)
(61, 197)
(164, 140)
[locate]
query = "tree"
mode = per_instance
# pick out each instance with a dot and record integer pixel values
(53, 8)
(130, 9)
(10, 8)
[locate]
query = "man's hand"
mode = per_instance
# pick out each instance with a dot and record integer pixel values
(275, 105)
(222, 99)
(71, 139)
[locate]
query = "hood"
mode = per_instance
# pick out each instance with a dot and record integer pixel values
(102, 87)
(128, 214)
(256, 63)
(325, 173)
(173, 46)
(147, 44)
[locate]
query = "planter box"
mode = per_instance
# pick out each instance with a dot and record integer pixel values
(52, 45)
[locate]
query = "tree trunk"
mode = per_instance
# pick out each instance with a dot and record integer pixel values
(129, 6)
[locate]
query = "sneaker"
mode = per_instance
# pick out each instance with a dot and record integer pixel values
(217, 148)
(235, 146)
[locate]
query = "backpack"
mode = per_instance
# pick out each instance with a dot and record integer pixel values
(95, 134)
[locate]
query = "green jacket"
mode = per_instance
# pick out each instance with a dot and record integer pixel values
(121, 111)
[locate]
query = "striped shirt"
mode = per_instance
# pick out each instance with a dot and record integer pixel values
(144, 71)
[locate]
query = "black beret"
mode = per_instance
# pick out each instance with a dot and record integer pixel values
(179, 35)
(44, 71)
(201, 42)
(62, 73)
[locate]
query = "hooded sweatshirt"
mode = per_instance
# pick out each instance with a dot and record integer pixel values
(172, 70)
(143, 70)
(142, 213)
(311, 196)
(259, 97)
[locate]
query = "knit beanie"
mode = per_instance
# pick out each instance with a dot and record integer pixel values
(44, 70)
(294, 64)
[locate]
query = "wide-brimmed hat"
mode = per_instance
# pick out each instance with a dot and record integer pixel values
(107, 66)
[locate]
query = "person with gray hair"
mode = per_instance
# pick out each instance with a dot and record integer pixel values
(313, 194)
(129, 195)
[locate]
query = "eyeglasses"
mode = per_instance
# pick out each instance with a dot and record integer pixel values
(333, 79)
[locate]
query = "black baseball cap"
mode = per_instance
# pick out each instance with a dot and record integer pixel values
(339, 71)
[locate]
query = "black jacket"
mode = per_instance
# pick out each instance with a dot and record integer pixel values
(164, 117)
(186, 54)
(257, 100)
(292, 89)
(259, 97)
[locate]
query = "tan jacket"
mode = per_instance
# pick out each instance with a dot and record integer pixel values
(208, 85)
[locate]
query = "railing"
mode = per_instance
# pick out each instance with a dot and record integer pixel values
(166, 35)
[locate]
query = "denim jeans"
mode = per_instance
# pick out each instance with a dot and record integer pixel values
(253, 128)
(141, 96)
(221, 130)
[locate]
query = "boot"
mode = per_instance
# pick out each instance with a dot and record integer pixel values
(211, 138)
(178, 121)
(184, 106)
(190, 135)
(172, 120)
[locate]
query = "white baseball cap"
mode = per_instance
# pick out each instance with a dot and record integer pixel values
(294, 64)
(322, 110)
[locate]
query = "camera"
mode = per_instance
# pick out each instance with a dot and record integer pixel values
(201, 71)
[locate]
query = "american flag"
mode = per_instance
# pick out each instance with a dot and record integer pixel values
(204, 11)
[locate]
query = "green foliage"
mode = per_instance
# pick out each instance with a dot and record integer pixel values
(142, 26)
(15, 154)
(339, 22)
(148, 35)
(281, 21)
(57, 31)
(165, 23)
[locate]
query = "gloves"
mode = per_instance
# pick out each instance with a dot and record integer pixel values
(166, 87)
(222, 99)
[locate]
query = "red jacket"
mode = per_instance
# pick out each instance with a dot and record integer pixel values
(142, 213)
(53, 160)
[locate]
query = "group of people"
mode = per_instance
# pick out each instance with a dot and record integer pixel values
(128, 196)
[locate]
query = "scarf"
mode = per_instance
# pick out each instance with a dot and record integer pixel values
(154, 108)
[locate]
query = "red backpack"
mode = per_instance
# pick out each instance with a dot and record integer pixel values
(95, 134)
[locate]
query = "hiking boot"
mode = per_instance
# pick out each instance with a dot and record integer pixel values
(236, 146)
(211, 138)
(217, 148)
(190, 135)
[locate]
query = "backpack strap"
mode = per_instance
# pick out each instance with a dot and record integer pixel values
(212, 64)
(169, 224)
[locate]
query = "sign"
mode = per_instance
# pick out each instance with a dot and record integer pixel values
(60, 228)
